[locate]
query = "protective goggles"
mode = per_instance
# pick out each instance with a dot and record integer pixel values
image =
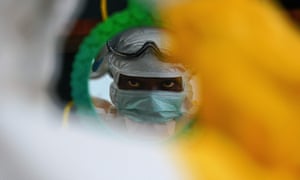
(137, 50)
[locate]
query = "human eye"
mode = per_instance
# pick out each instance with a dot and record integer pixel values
(168, 84)
(133, 83)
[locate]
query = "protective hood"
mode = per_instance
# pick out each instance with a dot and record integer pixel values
(147, 64)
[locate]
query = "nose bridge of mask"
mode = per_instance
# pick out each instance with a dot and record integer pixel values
(157, 102)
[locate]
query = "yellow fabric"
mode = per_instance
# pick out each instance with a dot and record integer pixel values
(103, 9)
(66, 113)
(247, 55)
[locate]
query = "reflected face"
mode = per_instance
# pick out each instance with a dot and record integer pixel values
(141, 83)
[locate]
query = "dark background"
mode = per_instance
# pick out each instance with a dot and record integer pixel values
(90, 16)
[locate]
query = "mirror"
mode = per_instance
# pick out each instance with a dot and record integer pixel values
(135, 92)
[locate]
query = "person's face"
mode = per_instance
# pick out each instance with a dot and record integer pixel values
(142, 83)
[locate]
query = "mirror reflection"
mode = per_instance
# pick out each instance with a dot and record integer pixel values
(136, 91)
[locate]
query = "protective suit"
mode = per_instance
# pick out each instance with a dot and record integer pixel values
(149, 95)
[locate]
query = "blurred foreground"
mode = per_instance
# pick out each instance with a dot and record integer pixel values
(247, 55)
(33, 146)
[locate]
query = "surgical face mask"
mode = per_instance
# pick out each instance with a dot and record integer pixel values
(150, 106)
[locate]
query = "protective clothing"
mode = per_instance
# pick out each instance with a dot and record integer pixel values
(140, 52)
(137, 53)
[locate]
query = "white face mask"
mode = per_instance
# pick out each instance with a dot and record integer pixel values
(150, 106)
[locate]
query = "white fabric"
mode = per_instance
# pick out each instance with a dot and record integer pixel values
(31, 148)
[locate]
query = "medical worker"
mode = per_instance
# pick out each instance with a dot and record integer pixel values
(150, 96)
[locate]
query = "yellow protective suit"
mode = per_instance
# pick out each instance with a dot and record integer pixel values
(247, 55)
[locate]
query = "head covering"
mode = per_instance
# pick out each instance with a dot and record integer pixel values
(147, 64)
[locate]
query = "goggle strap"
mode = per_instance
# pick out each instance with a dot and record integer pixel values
(148, 44)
